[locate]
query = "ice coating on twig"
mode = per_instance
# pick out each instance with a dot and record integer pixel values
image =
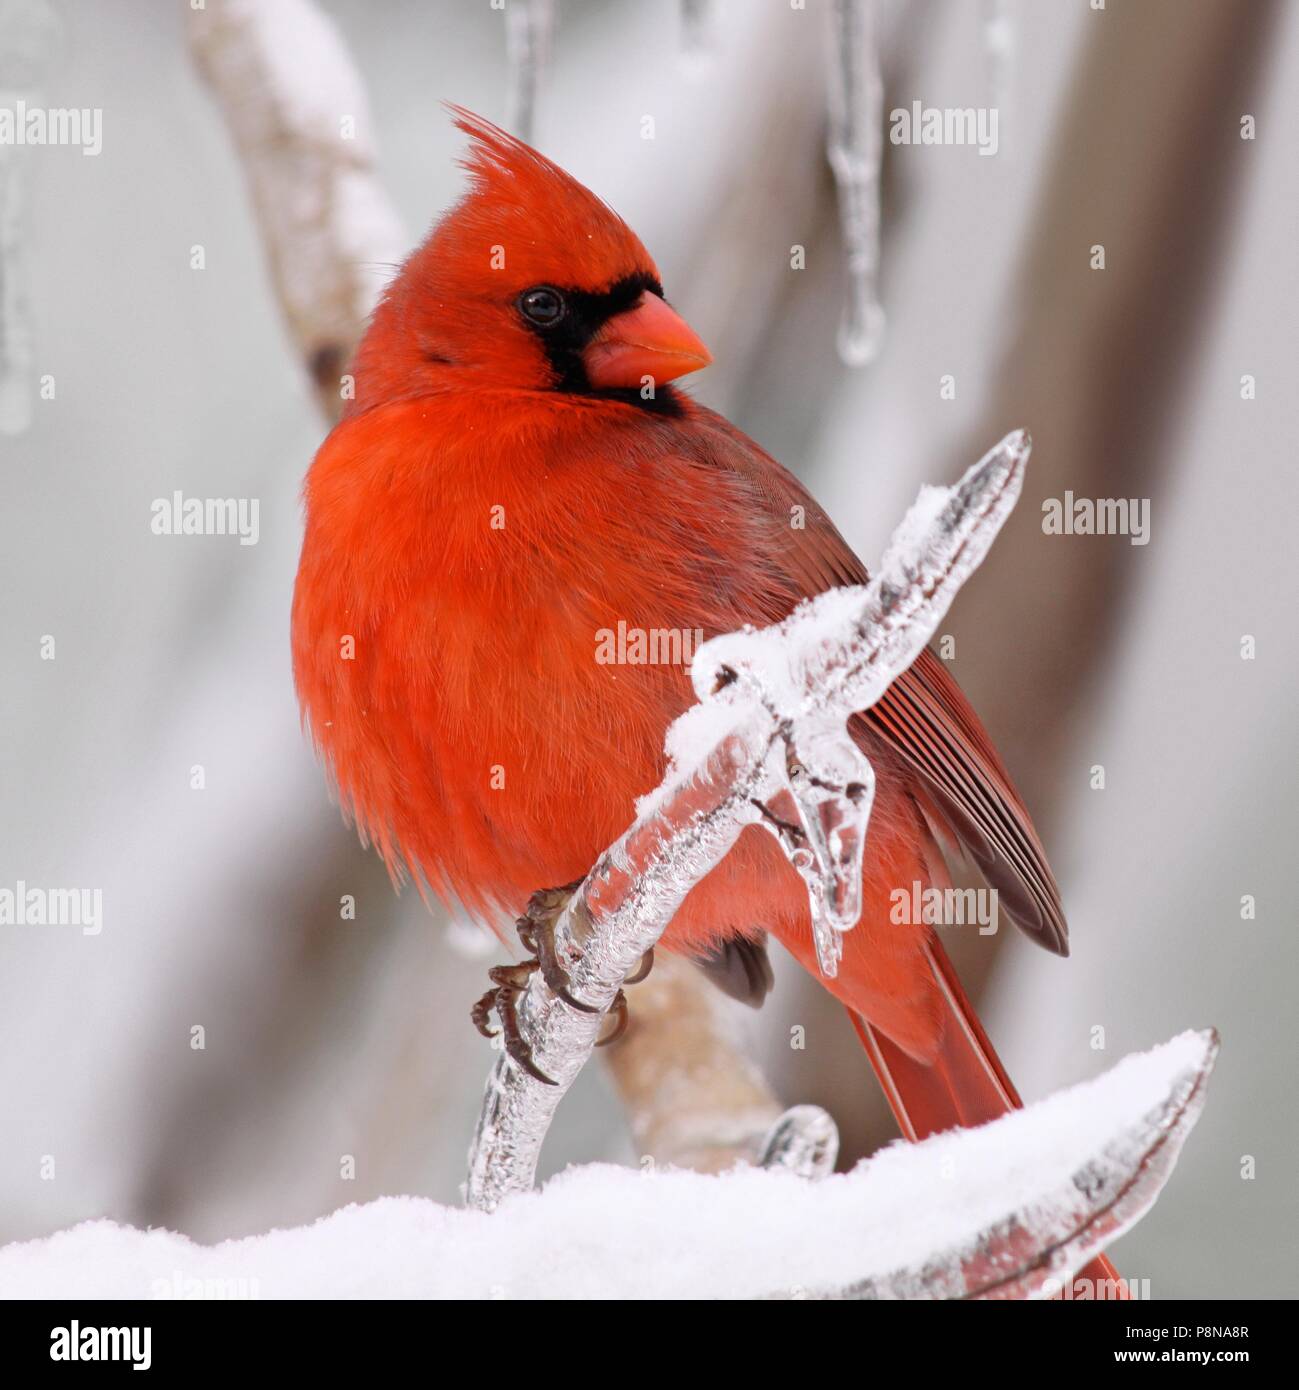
(767, 745)
(529, 27)
(854, 147)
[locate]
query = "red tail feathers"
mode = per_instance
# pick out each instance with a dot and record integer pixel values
(965, 1086)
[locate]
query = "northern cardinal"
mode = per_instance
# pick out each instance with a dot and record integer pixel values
(515, 476)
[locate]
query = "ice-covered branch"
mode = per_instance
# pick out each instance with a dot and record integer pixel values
(299, 118)
(767, 745)
(854, 147)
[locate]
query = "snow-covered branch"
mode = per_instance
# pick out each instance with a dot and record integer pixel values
(767, 745)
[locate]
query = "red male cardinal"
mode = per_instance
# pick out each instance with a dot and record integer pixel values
(514, 476)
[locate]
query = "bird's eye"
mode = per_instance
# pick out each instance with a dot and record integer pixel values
(542, 305)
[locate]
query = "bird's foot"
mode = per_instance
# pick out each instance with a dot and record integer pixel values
(536, 929)
(508, 982)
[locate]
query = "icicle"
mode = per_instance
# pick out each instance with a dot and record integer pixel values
(805, 1140)
(16, 385)
(998, 54)
(697, 36)
(856, 109)
(29, 39)
(529, 26)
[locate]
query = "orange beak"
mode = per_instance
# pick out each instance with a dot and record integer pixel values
(647, 340)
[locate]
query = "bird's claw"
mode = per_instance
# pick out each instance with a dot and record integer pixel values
(643, 969)
(536, 929)
(508, 982)
(617, 1012)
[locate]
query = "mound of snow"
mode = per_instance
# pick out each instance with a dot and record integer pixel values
(1000, 1210)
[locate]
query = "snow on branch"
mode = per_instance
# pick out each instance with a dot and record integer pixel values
(1010, 1210)
(767, 745)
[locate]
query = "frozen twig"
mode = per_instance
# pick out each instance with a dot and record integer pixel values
(854, 147)
(767, 745)
(529, 27)
(299, 118)
(29, 39)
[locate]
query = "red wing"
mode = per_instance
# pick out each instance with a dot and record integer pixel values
(927, 719)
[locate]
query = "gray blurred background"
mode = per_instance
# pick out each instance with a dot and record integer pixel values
(328, 1037)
